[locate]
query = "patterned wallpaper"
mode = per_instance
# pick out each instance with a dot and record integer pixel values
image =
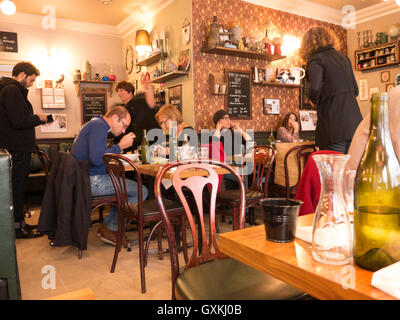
(254, 20)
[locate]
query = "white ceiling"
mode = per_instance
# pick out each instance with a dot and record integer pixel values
(93, 11)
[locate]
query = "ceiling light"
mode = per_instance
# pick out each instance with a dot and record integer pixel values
(105, 1)
(8, 7)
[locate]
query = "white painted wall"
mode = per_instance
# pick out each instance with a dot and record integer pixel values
(76, 47)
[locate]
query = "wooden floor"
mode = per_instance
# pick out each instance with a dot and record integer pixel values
(37, 261)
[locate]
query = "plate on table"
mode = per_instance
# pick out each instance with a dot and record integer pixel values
(159, 160)
(131, 156)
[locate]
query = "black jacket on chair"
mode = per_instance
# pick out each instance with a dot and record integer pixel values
(333, 88)
(67, 202)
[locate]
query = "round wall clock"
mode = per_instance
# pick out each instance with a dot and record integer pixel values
(129, 59)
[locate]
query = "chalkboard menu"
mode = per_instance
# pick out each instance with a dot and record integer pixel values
(8, 42)
(239, 93)
(94, 104)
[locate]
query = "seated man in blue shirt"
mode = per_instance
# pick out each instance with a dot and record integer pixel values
(91, 145)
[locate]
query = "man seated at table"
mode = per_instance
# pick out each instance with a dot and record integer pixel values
(91, 145)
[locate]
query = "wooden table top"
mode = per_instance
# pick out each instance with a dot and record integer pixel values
(152, 169)
(293, 263)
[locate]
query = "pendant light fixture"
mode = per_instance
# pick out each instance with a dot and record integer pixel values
(8, 7)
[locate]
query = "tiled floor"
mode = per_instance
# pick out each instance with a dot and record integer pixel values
(92, 271)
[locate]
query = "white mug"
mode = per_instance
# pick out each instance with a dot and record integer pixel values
(298, 73)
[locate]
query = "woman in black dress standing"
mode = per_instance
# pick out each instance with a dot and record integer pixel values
(332, 89)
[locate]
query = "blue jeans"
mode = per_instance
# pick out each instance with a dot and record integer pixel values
(101, 185)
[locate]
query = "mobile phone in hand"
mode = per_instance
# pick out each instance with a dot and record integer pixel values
(50, 118)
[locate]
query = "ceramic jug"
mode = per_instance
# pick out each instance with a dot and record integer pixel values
(298, 73)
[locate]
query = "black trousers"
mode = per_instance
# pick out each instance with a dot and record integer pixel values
(342, 147)
(21, 162)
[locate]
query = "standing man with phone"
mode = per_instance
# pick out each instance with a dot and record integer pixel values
(17, 136)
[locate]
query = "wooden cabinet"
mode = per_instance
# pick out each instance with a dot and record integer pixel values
(379, 56)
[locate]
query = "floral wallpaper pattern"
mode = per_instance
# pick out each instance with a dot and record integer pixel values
(254, 20)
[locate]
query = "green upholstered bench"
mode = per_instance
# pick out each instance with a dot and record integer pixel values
(8, 258)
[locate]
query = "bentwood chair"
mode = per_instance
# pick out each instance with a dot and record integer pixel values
(144, 211)
(209, 274)
(261, 167)
(293, 164)
(97, 202)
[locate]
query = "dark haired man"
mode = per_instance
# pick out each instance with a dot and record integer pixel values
(141, 109)
(91, 145)
(17, 135)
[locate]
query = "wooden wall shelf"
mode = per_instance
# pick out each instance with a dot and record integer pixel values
(243, 53)
(152, 59)
(277, 84)
(382, 55)
(169, 76)
(92, 85)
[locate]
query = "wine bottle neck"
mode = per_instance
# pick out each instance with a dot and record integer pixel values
(379, 127)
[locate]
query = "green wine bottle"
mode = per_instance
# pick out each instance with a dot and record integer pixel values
(271, 138)
(377, 194)
(145, 148)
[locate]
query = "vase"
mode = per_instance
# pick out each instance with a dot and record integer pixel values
(332, 230)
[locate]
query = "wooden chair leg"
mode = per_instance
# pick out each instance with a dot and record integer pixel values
(79, 254)
(184, 239)
(142, 256)
(159, 242)
(235, 218)
(148, 241)
(121, 234)
(101, 214)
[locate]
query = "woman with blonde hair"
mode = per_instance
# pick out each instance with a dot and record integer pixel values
(332, 89)
(167, 115)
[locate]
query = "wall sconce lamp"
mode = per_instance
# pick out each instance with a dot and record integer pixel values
(8, 7)
(142, 43)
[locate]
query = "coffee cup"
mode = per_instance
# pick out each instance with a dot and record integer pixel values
(298, 74)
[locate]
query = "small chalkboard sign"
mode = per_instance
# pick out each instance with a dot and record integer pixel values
(94, 104)
(238, 99)
(8, 41)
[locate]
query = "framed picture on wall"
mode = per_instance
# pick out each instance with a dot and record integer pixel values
(364, 94)
(308, 120)
(389, 86)
(271, 106)
(385, 76)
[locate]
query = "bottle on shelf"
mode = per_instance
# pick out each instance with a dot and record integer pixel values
(145, 148)
(377, 194)
(271, 139)
(267, 43)
(213, 36)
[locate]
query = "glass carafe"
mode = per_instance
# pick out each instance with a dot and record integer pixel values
(332, 231)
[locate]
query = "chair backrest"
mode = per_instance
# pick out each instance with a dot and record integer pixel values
(263, 159)
(115, 164)
(302, 154)
(45, 161)
(196, 184)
